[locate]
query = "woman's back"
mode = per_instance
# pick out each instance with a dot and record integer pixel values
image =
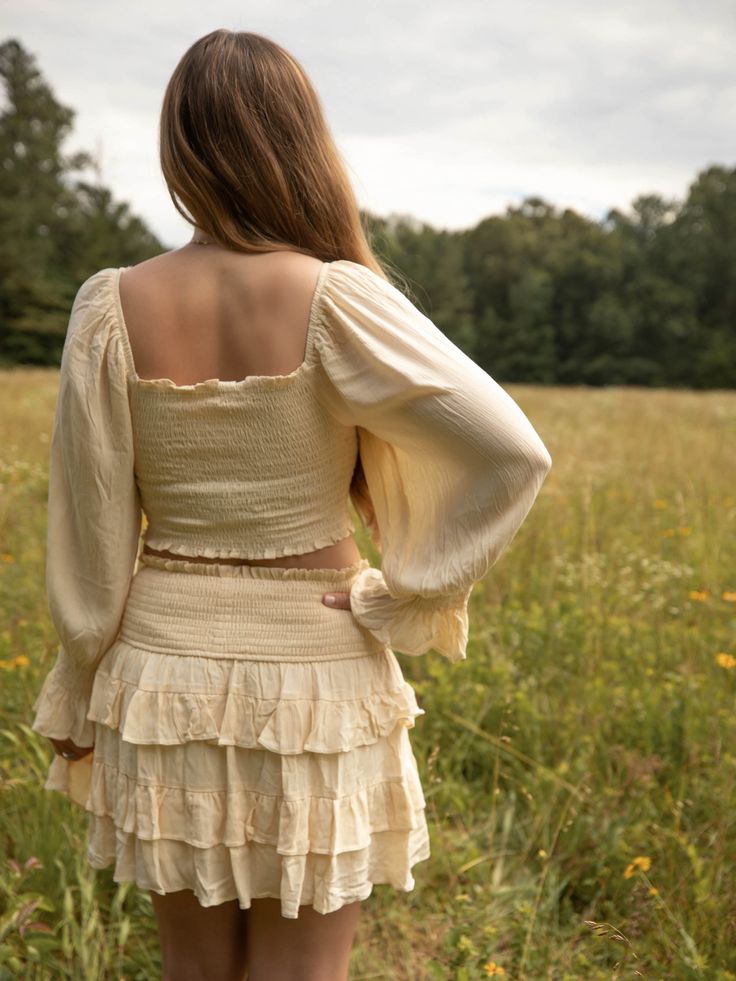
(203, 312)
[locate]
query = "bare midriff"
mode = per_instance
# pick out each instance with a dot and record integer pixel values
(337, 556)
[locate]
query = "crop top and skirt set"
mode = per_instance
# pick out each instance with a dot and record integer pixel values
(249, 740)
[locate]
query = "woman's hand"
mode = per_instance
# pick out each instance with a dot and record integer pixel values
(338, 601)
(69, 750)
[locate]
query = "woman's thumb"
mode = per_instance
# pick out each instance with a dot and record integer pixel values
(337, 600)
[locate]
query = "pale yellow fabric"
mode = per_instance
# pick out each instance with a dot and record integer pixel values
(237, 676)
(250, 741)
(452, 463)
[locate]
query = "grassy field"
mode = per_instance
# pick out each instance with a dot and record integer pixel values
(579, 767)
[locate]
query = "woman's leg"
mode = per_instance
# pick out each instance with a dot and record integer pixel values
(314, 947)
(200, 943)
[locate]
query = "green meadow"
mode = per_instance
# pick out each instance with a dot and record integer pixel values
(579, 767)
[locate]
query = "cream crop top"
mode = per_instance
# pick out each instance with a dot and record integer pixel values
(253, 469)
(261, 467)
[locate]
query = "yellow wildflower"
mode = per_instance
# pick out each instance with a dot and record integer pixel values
(7, 557)
(542, 853)
(640, 862)
(698, 594)
(659, 504)
(653, 890)
(726, 660)
(684, 529)
(493, 969)
(729, 597)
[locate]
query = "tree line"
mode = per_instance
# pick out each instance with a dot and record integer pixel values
(541, 295)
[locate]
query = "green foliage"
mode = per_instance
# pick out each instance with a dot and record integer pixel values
(646, 298)
(56, 228)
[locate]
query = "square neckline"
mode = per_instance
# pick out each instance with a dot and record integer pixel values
(166, 384)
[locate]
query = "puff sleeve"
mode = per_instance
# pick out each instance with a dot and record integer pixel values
(94, 510)
(452, 464)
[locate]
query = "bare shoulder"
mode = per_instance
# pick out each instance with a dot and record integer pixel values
(143, 277)
(154, 264)
(289, 277)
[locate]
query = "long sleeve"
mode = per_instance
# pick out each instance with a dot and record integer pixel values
(452, 464)
(94, 511)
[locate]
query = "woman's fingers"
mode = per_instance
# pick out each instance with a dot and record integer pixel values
(63, 746)
(338, 601)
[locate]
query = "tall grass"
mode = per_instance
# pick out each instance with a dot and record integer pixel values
(579, 767)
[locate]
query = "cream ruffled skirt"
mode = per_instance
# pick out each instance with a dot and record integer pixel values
(250, 741)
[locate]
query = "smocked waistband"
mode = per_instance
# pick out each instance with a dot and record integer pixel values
(248, 612)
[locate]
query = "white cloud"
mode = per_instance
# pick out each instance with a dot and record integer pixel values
(448, 112)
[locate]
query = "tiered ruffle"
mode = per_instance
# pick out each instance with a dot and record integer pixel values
(219, 874)
(238, 769)
(295, 780)
(208, 795)
(286, 707)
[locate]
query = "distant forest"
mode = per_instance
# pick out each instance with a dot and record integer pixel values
(535, 295)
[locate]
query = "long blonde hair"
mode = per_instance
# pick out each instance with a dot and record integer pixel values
(248, 157)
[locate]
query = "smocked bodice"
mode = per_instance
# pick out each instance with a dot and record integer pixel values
(255, 471)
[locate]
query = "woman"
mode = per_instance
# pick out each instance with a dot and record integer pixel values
(240, 741)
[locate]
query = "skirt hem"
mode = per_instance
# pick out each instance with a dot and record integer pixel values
(299, 883)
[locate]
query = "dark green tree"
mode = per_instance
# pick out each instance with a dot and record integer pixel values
(56, 228)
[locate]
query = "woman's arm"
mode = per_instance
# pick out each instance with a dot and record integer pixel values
(452, 464)
(94, 511)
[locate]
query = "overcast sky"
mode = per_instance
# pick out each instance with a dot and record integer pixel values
(448, 112)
